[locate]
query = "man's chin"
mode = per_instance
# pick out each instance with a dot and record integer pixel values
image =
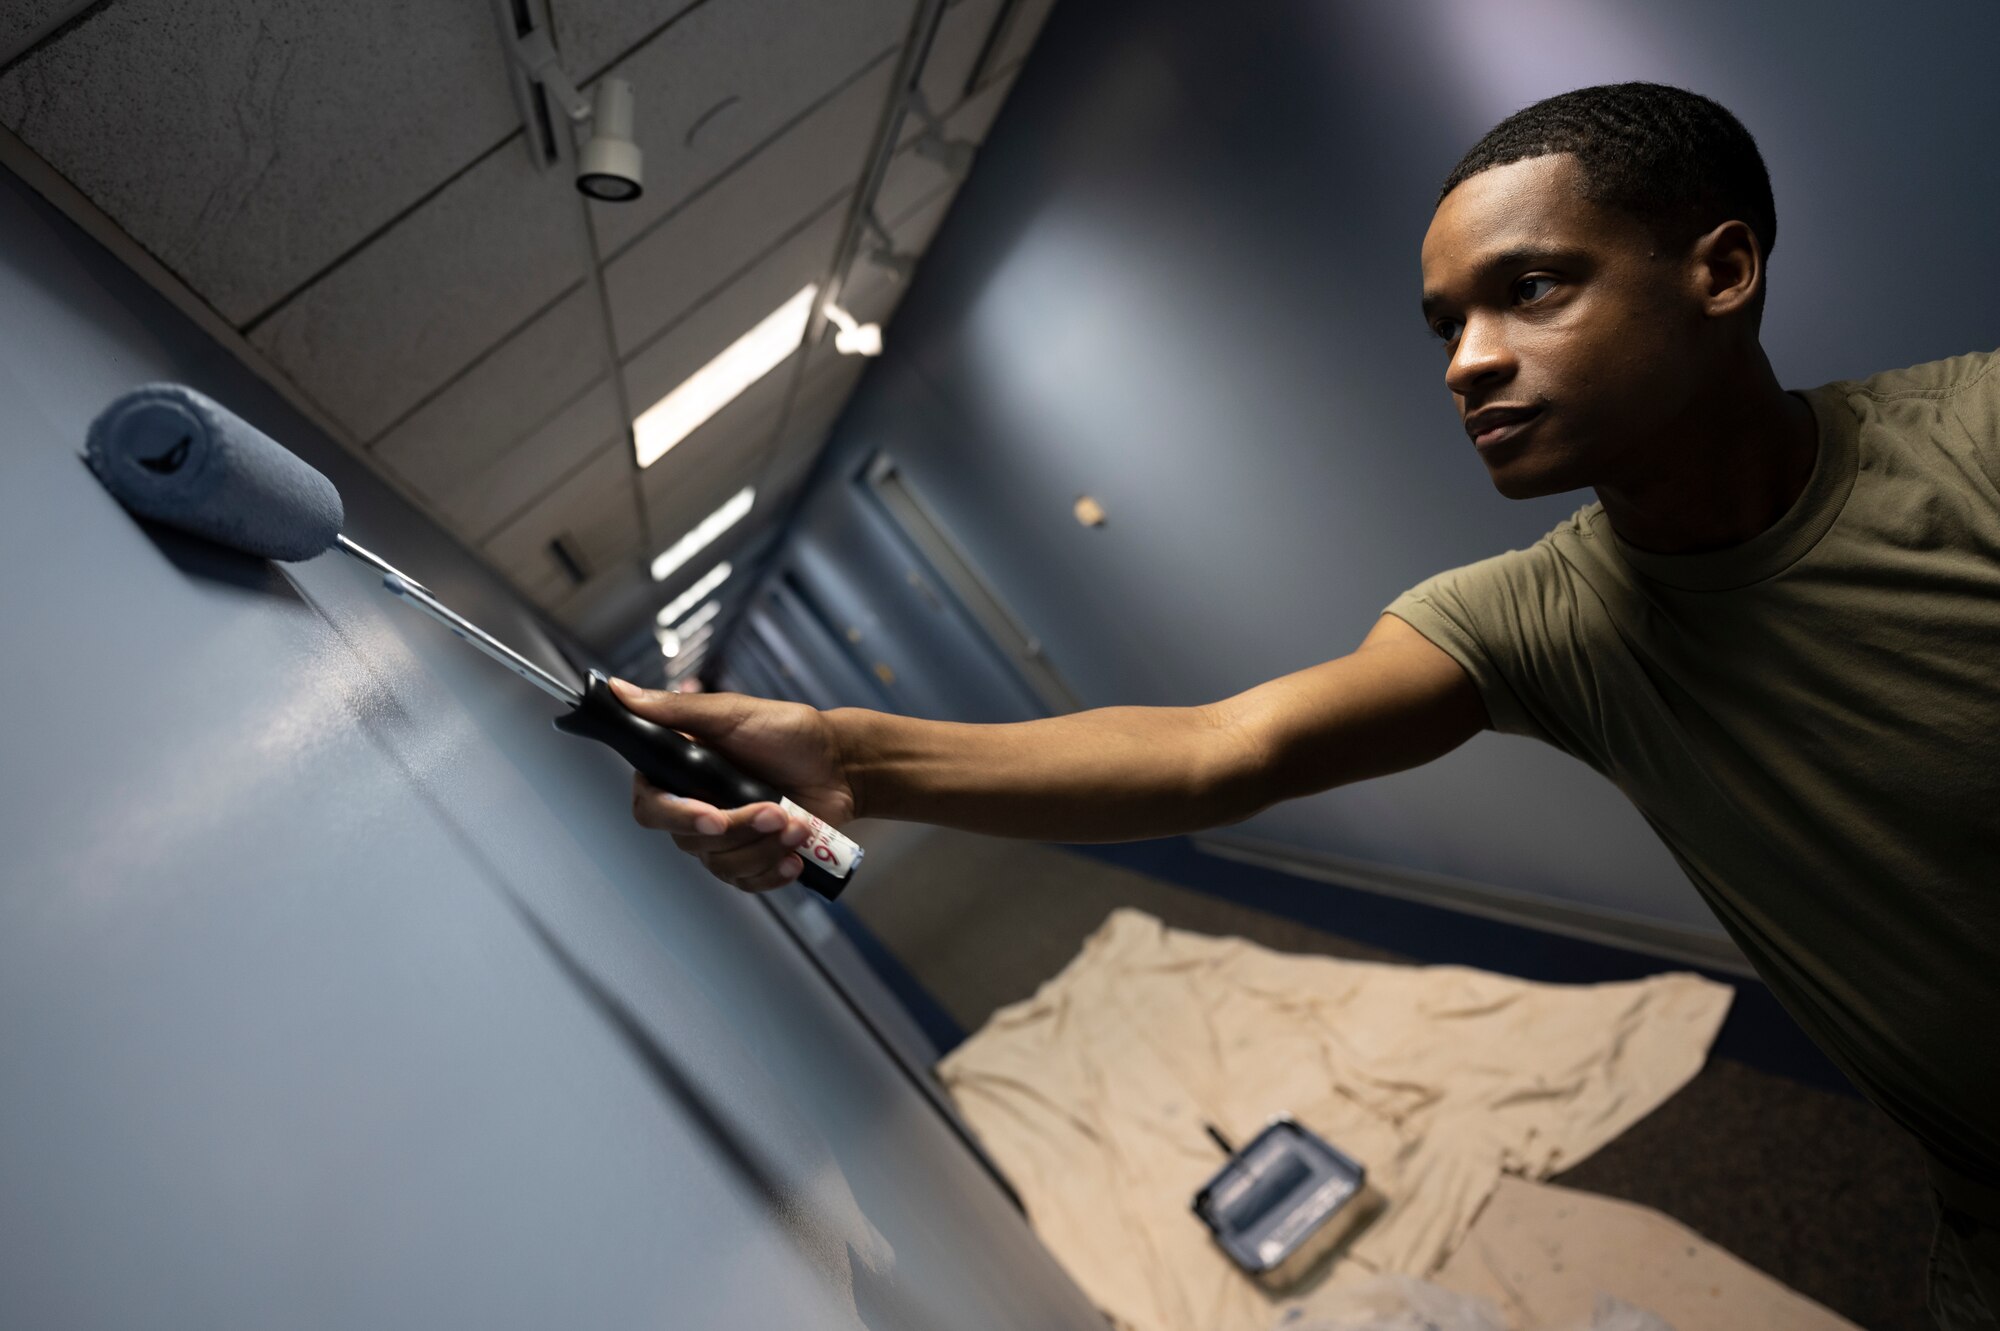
(1516, 480)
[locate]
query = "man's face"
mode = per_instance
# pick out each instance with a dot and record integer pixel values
(1574, 343)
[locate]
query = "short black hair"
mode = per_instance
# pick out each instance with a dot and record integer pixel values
(1675, 160)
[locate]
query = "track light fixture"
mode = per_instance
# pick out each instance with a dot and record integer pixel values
(953, 155)
(610, 166)
(852, 338)
(883, 253)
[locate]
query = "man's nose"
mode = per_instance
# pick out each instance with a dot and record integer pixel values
(1481, 360)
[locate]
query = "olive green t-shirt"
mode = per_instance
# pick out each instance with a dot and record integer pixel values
(1811, 721)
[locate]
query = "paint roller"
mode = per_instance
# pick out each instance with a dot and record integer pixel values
(169, 454)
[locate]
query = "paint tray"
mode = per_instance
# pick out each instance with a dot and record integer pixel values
(1284, 1201)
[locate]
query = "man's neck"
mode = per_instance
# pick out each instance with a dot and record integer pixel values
(1727, 471)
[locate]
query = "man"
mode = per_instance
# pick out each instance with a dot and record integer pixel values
(1777, 631)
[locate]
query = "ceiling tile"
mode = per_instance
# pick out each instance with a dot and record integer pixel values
(590, 34)
(23, 22)
(912, 177)
(666, 270)
(249, 143)
(954, 54)
(410, 312)
(914, 230)
(607, 607)
(909, 182)
(660, 366)
(501, 398)
(755, 521)
(871, 293)
(491, 493)
(821, 399)
(615, 604)
(780, 484)
(715, 461)
(548, 590)
(727, 77)
(594, 508)
(973, 118)
(830, 377)
(736, 548)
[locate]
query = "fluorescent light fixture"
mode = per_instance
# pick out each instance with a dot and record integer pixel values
(688, 664)
(698, 618)
(716, 384)
(690, 598)
(695, 643)
(674, 642)
(704, 533)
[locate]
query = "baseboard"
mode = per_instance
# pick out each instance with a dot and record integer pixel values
(1711, 951)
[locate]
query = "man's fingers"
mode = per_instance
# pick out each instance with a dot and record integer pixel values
(655, 808)
(783, 872)
(738, 862)
(743, 826)
(740, 827)
(749, 848)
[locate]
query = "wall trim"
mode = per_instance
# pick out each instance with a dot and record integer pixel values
(1676, 942)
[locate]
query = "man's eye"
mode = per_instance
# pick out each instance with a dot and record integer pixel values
(1447, 329)
(1530, 289)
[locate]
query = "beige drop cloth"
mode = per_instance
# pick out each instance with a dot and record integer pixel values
(1092, 1094)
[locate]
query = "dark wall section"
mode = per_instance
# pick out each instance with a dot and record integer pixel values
(1183, 279)
(337, 989)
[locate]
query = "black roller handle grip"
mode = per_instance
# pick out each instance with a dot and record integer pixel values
(679, 766)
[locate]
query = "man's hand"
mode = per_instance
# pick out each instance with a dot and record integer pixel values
(787, 745)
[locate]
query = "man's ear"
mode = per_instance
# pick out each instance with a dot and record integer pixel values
(1727, 267)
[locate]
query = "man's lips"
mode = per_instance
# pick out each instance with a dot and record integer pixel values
(1491, 425)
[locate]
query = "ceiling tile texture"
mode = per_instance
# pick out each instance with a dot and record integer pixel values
(373, 337)
(250, 143)
(728, 77)
(474, 419)
(697, 249)
(24, 22)
(350, 185)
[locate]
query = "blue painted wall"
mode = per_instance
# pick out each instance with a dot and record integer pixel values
(338, 990)
(1183, 278)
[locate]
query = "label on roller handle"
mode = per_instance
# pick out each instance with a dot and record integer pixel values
(824, 846)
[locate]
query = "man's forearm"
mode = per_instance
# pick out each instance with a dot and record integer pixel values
(1112, 774)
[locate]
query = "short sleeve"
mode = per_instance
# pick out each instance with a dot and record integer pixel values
(1962, 393)
(1511, 623)
(1976, 405)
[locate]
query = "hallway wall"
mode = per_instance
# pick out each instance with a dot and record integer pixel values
(337, 989)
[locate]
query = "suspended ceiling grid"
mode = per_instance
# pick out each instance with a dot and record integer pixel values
(350, 187)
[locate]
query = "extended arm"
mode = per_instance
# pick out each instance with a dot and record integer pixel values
(1122, 773)
(1109, 774)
